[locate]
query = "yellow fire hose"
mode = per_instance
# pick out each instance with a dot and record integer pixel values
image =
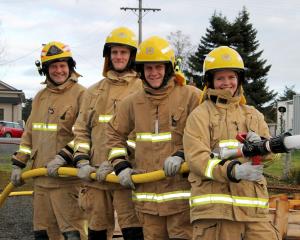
(137, 178)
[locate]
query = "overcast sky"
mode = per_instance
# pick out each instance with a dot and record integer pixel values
(84, 25)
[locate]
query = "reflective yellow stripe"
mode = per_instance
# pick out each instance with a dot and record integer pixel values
(71, 144)
(131, 143)
(117, 152)
(24, 149)
(161, 197)
(228, 199)
(230, 143)
(210, 167)
(105, 118)
(51, 127)
(149, 137)
(85, 146)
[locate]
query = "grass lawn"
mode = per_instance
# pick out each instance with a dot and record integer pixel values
(276, 167)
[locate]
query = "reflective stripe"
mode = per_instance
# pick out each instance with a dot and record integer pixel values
(161, 197)
(24, 149)
(131, 143)
(51, 127)
(149, 137)
(104, 118)
(230, 143)
(71, 144)
(85, 146)
(117, 152)
(210, 167)
(228, 199)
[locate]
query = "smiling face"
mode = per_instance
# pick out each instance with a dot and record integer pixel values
(119, 57)
(154, 74)
(59, 72)
(226, 79)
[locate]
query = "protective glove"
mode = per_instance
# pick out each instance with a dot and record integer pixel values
(15, 177)
(247, 171)
(85, 170)
(172, 165)
(104, 169)
(54, 165)
(253, 137)
(125, 178)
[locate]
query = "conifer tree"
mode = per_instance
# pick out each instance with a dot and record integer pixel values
(240, 35)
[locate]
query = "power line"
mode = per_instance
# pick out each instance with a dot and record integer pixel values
(140, 9)
(19, 58)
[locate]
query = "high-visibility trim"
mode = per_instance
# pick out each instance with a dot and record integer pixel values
(117, 152)
(210, 167)
(71, 144)
(105, 118)
(24, 149)
(161, 197)
(48, 127)
(230, 143)
(152, 137)
(85, 146)
(131, 143)
(228, 199)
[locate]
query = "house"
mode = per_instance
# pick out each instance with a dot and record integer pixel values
(11, 100)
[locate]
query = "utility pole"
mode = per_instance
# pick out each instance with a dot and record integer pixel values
(140, 9)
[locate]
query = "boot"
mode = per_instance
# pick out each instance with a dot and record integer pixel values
(133, 233)
(41, 235)
(97, 235)
(72, 235)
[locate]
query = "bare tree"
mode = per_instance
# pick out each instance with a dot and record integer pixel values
(182, 46)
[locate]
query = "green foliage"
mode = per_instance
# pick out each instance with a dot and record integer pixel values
(241, 36)
(26, 109)
(288, 93)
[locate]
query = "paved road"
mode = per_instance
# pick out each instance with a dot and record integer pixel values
(16, 219)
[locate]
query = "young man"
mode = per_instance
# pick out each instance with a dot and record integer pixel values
(229, 198)
(157, 115)
(49, 129)
(102, 100)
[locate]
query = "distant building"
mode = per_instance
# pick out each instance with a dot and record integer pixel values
(288, 116)
(11, 100)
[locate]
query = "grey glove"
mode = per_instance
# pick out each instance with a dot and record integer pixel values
(247, 171)
(85, 170)
(54, 165)
(172, 165)
(15, 177)
(125, 178)
(104, 169)
(253, 137)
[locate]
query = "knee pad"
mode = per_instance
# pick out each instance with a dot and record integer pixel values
(41, 235)
(133, 233)
(97, 235)
(71, 235)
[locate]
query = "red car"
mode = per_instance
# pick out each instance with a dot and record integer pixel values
(10, 129)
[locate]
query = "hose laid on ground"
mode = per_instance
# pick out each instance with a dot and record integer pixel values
(137, 178)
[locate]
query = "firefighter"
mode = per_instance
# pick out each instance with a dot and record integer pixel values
(48, 129)
(101, 101)
(229, 199)
(157, 115)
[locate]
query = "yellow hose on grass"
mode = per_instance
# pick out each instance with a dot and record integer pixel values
(65, 171)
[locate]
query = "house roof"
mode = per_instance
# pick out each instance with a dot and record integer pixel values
(6, 88)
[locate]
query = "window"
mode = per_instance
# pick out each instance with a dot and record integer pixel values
(1, 114)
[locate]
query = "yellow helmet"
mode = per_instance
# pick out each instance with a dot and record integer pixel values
(155, 49)
(55, 51)
(120, 36)
(223, 57)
